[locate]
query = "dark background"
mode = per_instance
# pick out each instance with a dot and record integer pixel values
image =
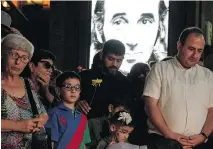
(65, 27)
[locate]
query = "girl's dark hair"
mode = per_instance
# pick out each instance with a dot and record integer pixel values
(118, 102)
(64, 76)
(114, 119)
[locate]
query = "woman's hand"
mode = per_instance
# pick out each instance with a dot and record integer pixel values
(31, 125)
(26, 125)
(42, 119)
(43, 79)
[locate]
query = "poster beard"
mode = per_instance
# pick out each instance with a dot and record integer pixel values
(141, 26)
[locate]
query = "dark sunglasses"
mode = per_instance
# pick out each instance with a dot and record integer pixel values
(47, 65)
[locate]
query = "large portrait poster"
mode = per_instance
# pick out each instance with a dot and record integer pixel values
(141, 25)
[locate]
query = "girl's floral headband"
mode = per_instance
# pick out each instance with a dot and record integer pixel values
(125, 117)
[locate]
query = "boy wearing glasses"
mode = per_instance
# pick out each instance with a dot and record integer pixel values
(69, 127)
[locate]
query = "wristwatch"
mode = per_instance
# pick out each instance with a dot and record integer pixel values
(205, 136)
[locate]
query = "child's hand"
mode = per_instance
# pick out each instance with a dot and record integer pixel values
(113, 142)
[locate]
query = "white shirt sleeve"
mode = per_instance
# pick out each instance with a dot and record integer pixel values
(153, 82)
(211, 91)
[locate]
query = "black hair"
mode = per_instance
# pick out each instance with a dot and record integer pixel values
(185, 33)
(37, 56)
(115, 117)
(42, 54)
(65, 75)
(97, 61)
(138, 69)
(117, 102)
(115, 47)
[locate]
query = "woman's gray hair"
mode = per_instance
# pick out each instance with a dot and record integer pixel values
(18, 42)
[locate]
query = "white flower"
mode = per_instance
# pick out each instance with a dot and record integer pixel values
(125, 117)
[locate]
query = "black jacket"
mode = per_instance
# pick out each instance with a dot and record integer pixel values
(112, 86)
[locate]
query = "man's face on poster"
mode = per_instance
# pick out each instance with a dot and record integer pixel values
(135, 23)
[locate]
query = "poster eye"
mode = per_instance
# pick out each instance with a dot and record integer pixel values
(142, 27)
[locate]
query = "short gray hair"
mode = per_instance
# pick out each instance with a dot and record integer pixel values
(15, 41)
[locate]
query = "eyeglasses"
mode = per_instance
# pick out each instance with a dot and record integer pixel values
(70, 87)
(14, 55)
(47, 65)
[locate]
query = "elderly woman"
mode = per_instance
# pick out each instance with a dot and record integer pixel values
(17, 122)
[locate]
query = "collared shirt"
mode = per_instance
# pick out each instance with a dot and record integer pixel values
(184, 95)
(69, 128)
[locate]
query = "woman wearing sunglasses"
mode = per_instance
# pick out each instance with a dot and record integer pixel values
(41, 68)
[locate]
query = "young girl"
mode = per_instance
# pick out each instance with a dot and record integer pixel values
(120, 126)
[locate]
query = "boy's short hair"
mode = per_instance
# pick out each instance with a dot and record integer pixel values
(66, 75)
(42, 54)
(115, 119)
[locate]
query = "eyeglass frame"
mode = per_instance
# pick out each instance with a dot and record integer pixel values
(70, 87)
(11, 55)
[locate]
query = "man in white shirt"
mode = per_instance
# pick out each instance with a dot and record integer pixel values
(179, 97)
